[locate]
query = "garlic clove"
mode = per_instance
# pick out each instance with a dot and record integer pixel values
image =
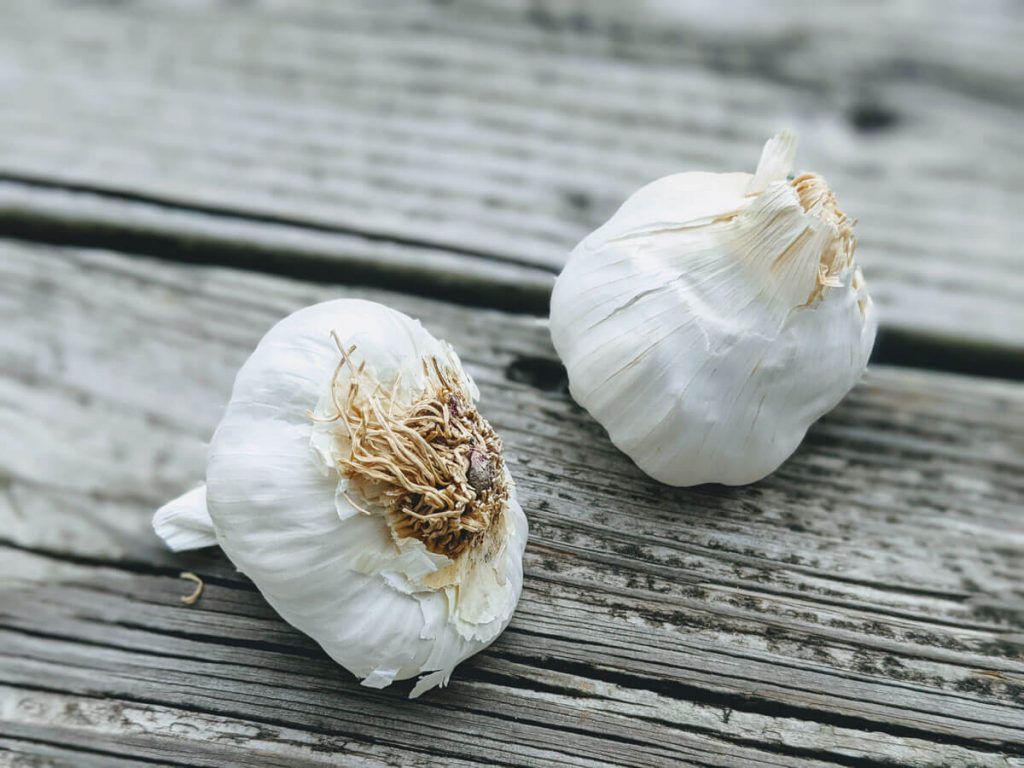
(184, 522)
(714, 318)
(327, 556)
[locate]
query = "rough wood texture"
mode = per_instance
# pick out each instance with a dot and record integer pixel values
(861, 607)
(43, 213)
(507, 129)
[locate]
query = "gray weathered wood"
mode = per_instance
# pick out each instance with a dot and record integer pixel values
(862, 605)
(40, 212)
(506, 130)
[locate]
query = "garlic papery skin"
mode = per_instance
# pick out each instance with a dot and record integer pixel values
(352, 479)
(714, 318)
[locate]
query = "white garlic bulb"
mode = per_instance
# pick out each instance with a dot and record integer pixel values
(714, 318)
(354, 482)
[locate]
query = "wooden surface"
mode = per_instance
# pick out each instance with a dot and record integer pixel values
(503, 131)
(862, 607)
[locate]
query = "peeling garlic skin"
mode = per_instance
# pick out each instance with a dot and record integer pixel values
(713, 319)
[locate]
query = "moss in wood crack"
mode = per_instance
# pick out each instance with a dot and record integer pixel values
(1015, 692)
(864, 662)
(774, 637)
(820, 654)
(1002, 648)
(1009, 616)
(693, 620)
(842, 624)
(807, 616)
(915, 676)
(551, 564)
(746, 602)
(646, 583)
(974, 685)
(935, 640)
(72, 713)
(878, 629)
(630, 550)
(893, 666)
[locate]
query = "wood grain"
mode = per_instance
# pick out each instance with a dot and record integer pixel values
(39, 212)
(861, 607)
(505, 130)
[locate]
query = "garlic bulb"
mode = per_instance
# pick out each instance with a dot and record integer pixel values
(353, 480)
(714, 318)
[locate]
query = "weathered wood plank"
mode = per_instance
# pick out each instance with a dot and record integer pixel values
(22, 753)
(43, 213)
(506, 130)
(861, 605)
(138, 731)
(106, 610)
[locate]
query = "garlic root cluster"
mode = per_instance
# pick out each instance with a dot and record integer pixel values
(714, 318)
(436, 464)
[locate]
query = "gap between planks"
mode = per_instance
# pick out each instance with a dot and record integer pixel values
(44, 211)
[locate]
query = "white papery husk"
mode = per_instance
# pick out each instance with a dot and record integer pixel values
(386, 608)
(708, 323)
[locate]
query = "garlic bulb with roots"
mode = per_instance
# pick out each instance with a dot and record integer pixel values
(353, 480)
(714, 318)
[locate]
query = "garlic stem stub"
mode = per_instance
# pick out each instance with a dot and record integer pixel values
(714, 318)
(354, 481)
